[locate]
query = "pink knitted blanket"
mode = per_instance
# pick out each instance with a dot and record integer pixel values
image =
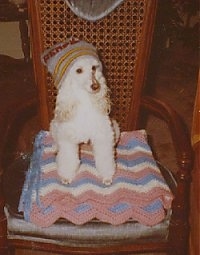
(138, 192)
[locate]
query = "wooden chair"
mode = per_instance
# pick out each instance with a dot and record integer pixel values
(123, 39)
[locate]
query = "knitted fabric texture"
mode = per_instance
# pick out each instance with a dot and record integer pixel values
(60, 57)
(138, 192)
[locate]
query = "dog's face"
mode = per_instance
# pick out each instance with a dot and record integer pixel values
(86, 74)
(85, 78)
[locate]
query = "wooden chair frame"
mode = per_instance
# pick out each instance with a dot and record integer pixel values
(177, 241)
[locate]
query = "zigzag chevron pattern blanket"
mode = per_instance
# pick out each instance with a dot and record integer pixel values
(138, 192)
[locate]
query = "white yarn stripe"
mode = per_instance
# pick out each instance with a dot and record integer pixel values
(102, 191)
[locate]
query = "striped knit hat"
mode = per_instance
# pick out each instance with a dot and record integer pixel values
(61, 56)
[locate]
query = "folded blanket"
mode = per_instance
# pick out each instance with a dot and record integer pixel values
(138, 192)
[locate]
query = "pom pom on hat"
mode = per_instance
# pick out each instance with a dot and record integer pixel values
(61, 56)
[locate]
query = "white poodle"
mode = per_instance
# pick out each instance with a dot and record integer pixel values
(82, 115)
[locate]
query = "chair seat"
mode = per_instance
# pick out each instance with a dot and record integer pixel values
(94, 233)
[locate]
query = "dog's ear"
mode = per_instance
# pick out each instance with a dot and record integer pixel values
(65, 107)
(104, 102)
(106, 106)
(63, 111)
(65, 102)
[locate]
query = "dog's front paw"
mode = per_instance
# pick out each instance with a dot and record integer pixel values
(67, 176)
(68, 171)
(66, 180)
(107, 182)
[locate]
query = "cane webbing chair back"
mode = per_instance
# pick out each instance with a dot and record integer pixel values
(123, 40)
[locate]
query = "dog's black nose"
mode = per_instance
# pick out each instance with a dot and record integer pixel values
(95, 86)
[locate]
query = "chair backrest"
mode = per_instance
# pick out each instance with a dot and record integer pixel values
(123, 39)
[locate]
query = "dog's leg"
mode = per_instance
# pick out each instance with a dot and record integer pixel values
(104, 157)
(67, 161)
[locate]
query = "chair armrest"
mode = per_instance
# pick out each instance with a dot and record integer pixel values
(12, 120)
(179, 223)
(178, 129)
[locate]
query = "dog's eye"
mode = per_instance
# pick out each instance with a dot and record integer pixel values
(94, 68)
(79, 70)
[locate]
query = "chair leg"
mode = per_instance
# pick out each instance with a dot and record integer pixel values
(179, 226)
(178, 252)
(11, 251)
(4, 252)
(180, 244)
(3, 230)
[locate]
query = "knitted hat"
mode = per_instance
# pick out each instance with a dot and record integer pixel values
(61, 56)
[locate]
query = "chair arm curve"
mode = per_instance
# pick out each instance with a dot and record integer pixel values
(178, 130)
(12, 121)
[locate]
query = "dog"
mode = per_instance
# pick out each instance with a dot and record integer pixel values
(82, 115)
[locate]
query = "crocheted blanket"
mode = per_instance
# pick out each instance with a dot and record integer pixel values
(138, 192)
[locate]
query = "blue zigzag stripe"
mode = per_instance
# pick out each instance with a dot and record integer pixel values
(132, 143)
(125, 162)
(85, 181)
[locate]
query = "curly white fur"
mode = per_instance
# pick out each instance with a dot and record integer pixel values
(82, 115)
